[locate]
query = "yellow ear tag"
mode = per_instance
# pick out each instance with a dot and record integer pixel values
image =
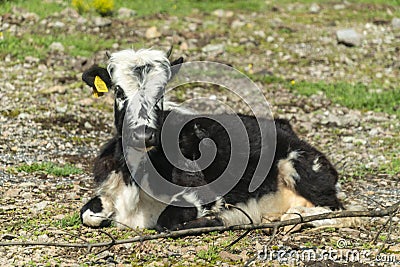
(100, 85)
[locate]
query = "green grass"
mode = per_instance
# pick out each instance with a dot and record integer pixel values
(355, 96)
(70, 221)
(49, 168)
(210, 255)
(41, 8)
(38, 45)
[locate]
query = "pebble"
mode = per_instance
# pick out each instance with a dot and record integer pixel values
(61, 109)
(124, 13)
(152, 33)
(348, 37)
(102, 22)
(215, 48)
(396, 23)
(56, 47)
(315, 8)
(87, 125)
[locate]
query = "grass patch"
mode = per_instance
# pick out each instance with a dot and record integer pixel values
(49, 168)
(41, 8)
(185, 7)
(211, 255)
(38, 45)
(70, 221)
(357, 96)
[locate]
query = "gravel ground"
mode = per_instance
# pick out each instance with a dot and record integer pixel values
(47, 114)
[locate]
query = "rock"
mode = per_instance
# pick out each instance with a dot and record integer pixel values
(27, 184)
(102, 22)
(152, 33)
(184, 46)
(396, 23)
(339, 7)
(12, 192)
(43, 238)
(260, 33)
(29, 16)
(24, 116)
(348, 139)
(373, 132)
(70, 13)
(220, 13)
(314, 8)
(348, 37)
(225, 255)
(59, 89)
(87, 125)
(237, 24)
(124, 13)
(217, 48)
(61, 109)
(31, 59)
(56, 47)
(58, 24)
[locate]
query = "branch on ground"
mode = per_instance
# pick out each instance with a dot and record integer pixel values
(390, 211)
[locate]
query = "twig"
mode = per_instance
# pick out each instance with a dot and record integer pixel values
(245, 233)
(197, 231)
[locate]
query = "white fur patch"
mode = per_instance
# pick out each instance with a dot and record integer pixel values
(316, 165)
(287, 174)
(142, 91)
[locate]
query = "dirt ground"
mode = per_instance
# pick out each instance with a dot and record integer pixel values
(48, 115)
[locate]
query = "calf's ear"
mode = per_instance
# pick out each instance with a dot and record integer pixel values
(97, 78)
(176, 66)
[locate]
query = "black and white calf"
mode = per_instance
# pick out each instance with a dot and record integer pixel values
(300, 175)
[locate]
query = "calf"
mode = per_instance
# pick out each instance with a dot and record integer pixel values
(130, 163)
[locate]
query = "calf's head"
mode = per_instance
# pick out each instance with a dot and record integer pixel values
(138, 79)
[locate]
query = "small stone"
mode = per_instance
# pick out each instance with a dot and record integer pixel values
(124, 13)
(61, 109)
(184, 46)
(217, 48)
(396, 23)
(87, 125)
(70, 13)
(348, 139)
(102, 22)
(56, 47)
(12, 192)
(30, 59)
(27, 184)
(39, 206)
(43, 238)
(152, 33)
(219, 13)
(23, 116)
(27, 195)
(237, 24)
(58, 24)
(373, 132)
(260, 33)
(339, 7)
(225, 255)
(29, 16)
(59, 89)
(59, 217)
(348, 37)
(270, 39)
(315, 8)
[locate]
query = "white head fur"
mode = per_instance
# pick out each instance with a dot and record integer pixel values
(139, 78)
